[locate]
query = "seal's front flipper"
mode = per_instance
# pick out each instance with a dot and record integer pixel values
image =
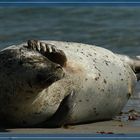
(63, 114)
(134, 63)
(48, 50)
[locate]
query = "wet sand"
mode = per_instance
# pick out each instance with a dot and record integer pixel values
(105, 127)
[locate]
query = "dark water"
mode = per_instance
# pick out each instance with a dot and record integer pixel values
(115, 28)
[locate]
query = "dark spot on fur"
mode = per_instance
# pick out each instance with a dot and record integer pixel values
(106, 63)
(97, 69)
(128, 95)
(80, 100)
(94, 109)
(96, 114)
(121, 79)
(87, 100)
(102, 90)
(96, 78)
(105, 81)
(86, 79)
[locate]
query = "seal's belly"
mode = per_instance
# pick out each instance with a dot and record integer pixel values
(106, 84)
(102, 96)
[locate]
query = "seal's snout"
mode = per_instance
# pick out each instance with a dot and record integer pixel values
(58, 67)
(49, 76)
(59, 71)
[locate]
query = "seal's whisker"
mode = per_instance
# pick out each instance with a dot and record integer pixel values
(51, 76)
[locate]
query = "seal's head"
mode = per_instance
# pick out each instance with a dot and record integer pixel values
(39, 70)
(24, 74)
(26, 70)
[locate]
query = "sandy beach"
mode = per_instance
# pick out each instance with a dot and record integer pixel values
(105, 127)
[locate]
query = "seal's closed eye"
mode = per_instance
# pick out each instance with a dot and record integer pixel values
(49, 51)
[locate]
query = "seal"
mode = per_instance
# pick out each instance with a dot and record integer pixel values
(53, 83)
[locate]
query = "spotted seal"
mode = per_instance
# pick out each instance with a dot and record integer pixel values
(53, 83)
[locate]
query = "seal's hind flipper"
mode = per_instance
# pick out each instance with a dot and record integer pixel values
(136, 65)
(133, 62)
(48, 50)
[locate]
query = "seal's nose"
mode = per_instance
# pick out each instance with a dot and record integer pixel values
(58, 66)
(59, 70)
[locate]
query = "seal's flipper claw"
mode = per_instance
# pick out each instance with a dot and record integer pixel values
(58, 57)
(32, 44)
(54, 49)
(48, 50)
